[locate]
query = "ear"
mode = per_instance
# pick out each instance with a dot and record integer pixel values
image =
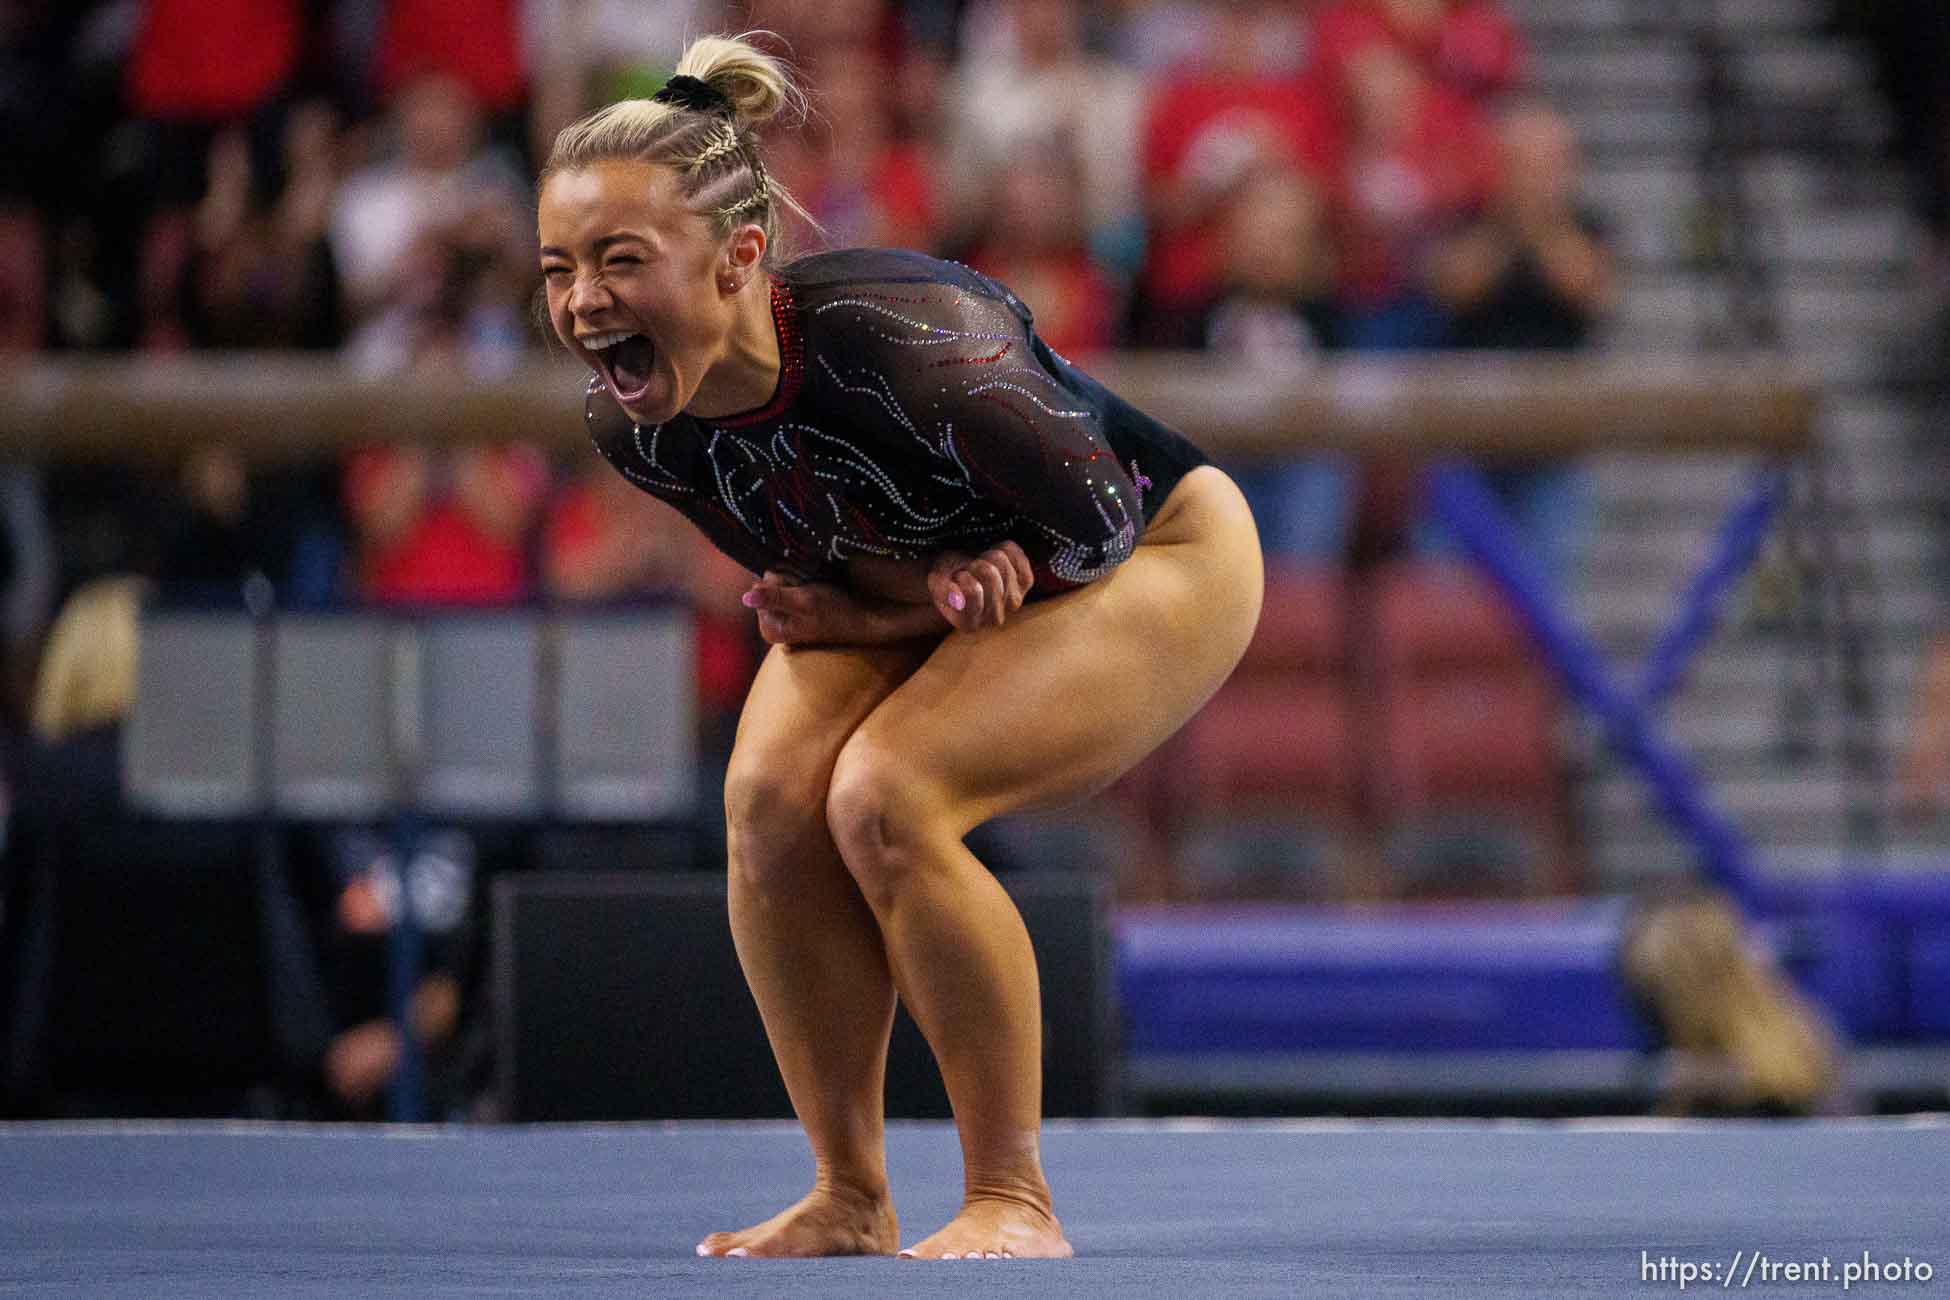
(744, 249)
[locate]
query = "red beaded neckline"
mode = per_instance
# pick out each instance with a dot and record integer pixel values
(792, 362)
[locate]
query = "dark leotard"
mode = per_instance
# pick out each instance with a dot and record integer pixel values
(916, 412)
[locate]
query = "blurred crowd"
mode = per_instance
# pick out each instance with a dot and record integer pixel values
(1277, 181)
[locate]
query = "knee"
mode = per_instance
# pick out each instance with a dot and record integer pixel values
(773, 809)
(880, 819)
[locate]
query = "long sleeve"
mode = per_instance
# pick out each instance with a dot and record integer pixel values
(916, 413)
(960, 374)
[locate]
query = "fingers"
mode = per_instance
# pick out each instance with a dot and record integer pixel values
(1006, 577)
(771, 596)
(984, 590)
(775, 629)
(781, 609)
(962, 601)
(1025, 571)
(990, 577)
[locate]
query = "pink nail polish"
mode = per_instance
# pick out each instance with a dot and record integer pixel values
(750, 600)
(956, 600)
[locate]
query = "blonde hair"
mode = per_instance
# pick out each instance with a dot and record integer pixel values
(715, 155)
(87, 672)
(1717, 1000)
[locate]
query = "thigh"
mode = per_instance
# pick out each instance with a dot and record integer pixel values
(802, 707)
(1072, 692)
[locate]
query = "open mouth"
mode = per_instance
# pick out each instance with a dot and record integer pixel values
(625, 360)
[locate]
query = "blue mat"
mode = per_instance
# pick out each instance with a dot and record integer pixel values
(1158, 1209)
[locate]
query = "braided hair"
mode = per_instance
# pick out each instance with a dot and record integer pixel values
(704, 126)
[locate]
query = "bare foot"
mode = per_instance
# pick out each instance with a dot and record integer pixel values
(995, 1229)
(825, 1222)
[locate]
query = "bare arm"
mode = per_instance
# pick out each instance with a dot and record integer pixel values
(895, 600)
(821, 613)
(968, 591)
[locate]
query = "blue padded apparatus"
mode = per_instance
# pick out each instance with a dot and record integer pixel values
(1426, 978)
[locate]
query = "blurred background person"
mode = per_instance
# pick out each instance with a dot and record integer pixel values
(197, 69)
(46, 107)
(1416, 158)
(1530, 271)
(366, 1050)
(1035, 80)
(1468, 46)
(476, 45)
(1239, 104)
(587, 52)
(864, 183)
(437, 176)
(444, 526)
(1034, 240)
(261, 272)
(82, 696)
(1275, 308)
(228, 523)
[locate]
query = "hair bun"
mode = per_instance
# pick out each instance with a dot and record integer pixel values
(753, 84)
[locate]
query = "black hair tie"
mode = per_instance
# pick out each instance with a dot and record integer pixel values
(689, 92)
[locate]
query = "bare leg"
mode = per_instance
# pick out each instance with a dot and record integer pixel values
(811, 950)
(1056, 704)
(972, 987)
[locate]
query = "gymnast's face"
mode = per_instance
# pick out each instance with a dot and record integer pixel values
(639, 287)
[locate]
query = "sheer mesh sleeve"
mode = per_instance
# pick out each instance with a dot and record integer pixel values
(955, 368)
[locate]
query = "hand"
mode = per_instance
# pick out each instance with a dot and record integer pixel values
(983, 590)
(791, 612)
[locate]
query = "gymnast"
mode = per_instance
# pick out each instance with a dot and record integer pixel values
(986, 581)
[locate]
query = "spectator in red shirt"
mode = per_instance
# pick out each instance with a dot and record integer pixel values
(1417, 158)
(444, 527)
(1470, 46)
(1211, 124)
(1034, 243)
